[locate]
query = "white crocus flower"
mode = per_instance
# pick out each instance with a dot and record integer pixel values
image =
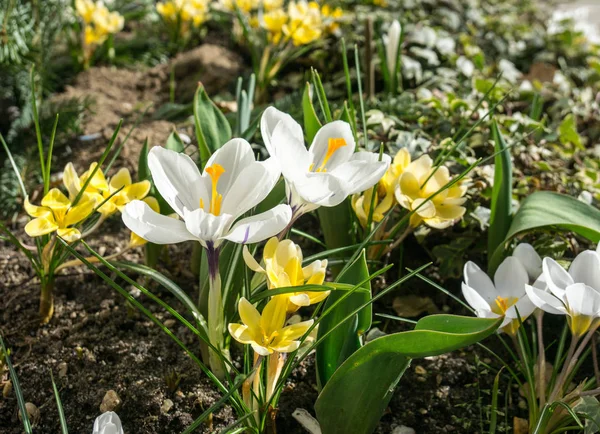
(108, 423)
(392, 44)
(505, 297)
(575, 293)
(210, 203)
(325, 174)
(530, 259)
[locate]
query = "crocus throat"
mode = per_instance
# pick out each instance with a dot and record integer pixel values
(503, 304)
(333, 145)
(215, 171)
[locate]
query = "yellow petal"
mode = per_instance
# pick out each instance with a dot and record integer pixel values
(71, 181)
(317, 278)
(249, 315)
(98, 182)
(152, 203)
(80, 211)
(240, 333)
(250, 261)
(451, 212)
(317, 297)
(293, 269)
(358, 207)
(426, 208)
(402, 159)
(55, 199)
(273, 315)
(421, 167)
(120, 179)
(135, 240)
(415, 220)
(270, 248)
(69, 234)
(409, 185)
(35, 211)
(289, 334)
(40, 226)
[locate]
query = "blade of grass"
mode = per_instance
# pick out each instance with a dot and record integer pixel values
(17, 388)
(61, 414)
(14, 166)
(363, 117)
(38, 132)
(51, 149)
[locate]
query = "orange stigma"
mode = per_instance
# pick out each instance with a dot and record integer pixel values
(215, 171)
(332, 145)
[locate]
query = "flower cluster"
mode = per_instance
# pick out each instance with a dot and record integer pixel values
(99, 22)
(184, 14)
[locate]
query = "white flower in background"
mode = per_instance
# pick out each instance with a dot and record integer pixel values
(326, 173)
(428, 55)
(465, 66)
(412, 69)
(509, 71)
(425, 36)
(446, 45)
(530, 259)
(210, 203)
(575, 293)
(504, 297)
(580, 18)
(108, 423)
(392, 46)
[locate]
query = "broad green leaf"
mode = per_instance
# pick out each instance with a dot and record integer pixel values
(589, 408)
(501, 193)
(544, 209)
(174, 142)
(212, 128)
(344, 340)
(143, 171)
(336, 225)
(311, 120)
(567, 132)
(359, 391)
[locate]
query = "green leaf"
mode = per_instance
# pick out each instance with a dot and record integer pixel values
(212, 128)
(336, 225)
(501, 193)
(64, 429)
(544, 209)
(16, 387)
(567, 132)
(589, 408)
(311, 120)
(143, 171)
(174, 143)
(358, 393)
(345, 339)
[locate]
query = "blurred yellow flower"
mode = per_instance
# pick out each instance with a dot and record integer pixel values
(267, 332)
(85, 9)
(283, 268)
(412, 191)
(184, 12)
(331, 17)
(57, 213)
(271, 5)
(305, 23)
(113, 194)
(99, 22)
(273, 22)
(384, 195)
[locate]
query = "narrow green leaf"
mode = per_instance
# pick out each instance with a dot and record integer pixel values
(567, 132)
(61, 414)
(17, 387)
(311, 120)
(359, 391)
(212, 128)
(543, 209)
(501, 214)
(143, 171)
(345, 339)
(174, 142)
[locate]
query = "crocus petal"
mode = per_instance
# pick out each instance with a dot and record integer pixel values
(545, 301)
(269, 121)
(556, 276)
(475, 300)
(480, 281)
(522, 308)
(292, 155)
(177, 179)
(154, 227)
(273, 315)
(408, 185)
(261, 226)
(286, 346)
(294, 331)
(391, 46)
(120, 179)
(71, 181)
(55, 199)
(582, 300)
(206, 226)
(135, 191)
(240, 333)
(320, 189)
(320, 145)
(360, 173)
(249, 315)
(510, 278)
(34, 210)
(300, 299)
(69, 234)
(530, 259)
(234, 156)
(40, 226)
(421, 167)
(251, 262)
(260, 350)
(80, 211)
(251, 187)
(425, 208)
(585, 268)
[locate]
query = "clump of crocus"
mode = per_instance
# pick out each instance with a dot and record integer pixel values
(283, 268)
(183, 16)
(99, 24)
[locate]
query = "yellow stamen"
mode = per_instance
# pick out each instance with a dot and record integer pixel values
(333, 145)
(215, 171)
(503, 304)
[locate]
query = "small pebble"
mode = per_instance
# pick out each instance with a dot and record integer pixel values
(110, 402)
(62, 370)
(32, 412)
(419, 370)
(403, 430)
(7, 389)
(166, 406)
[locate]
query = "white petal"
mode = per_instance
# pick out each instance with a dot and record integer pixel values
(530, 259)
(234, 156)
(322, 189)
(177, 178)
(556, 277)
(585, 268)
(391, 46)
(524, 307)
(261, 226)
(582, 300)
(510, 278)
(360, 174)
(545, 301)
(253, 184)
(269, 121)
(480, 282)
(475, 300)
(292, 155)
(318, 148)
(108, 423)
(152, 226)
(206, 226)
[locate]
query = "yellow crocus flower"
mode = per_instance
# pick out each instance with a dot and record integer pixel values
(283, 268)
(273, 22)
(271, 5)
(115, 194)
(57, 214)
(85, 9)
(441, 211)
(267, 333)
(384, 195)
(305, 23)
(332, 17)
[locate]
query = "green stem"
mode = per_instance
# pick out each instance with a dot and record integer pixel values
(215, 313)
(47, 299)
